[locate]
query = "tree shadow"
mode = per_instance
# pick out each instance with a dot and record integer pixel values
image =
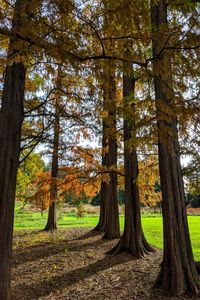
(36, 252)
(63, 280)
(87, 235)
(46, 249)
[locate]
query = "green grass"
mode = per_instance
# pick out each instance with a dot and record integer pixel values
(152, 225)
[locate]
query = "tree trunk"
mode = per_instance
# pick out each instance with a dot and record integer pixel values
(112, 229)
(51, 222)
(178, 272)
(11, 118)
(109, 215)
(197, 263)
(132, 240)
(104, 187)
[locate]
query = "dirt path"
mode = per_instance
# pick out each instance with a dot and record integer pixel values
(71, 264)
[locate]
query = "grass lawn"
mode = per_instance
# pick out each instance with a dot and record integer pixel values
(152, 225)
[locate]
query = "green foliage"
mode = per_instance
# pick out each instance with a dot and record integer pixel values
(74, 200)
(26, 173)
(120, 197)
(192, 175)
(97, 199)
(193, 200)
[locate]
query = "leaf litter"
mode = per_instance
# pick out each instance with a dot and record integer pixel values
(71, 264)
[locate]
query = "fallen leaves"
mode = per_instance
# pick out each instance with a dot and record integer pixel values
(71, 264)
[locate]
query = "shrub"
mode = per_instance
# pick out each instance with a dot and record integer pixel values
(80, 210)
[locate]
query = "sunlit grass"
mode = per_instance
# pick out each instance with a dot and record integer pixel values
(152, 225)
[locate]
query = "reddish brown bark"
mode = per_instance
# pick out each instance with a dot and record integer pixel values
(109, 215)
(51, 222)
(11, 118)
(103, 191)
(112, 229)
(101, 226)
(178, 271)
(132, 240)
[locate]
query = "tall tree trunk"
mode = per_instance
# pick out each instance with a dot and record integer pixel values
(51, 222)
(112, 229)
(104, 187)
(132, 240)
(11, 118)
(178, 272)
(109, 214)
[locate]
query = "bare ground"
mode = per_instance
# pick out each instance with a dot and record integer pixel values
(72, 264)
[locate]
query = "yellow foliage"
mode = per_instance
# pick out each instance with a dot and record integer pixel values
(147, 179)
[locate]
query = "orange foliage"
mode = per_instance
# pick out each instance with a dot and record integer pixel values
(40, 194)
(71, 180)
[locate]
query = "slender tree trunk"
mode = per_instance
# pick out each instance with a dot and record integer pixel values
(51, 222)
(132, 240)
(178, 272)
(104, 187)
(11, 118)
(112, 229)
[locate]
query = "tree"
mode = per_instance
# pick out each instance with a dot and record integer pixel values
(109, 216)
(51, 221)
(11, 117)
(192, 172)
(73, 182)
(132, 240)
(193, 200)
(80, 210)
(178, 272)
(27, 171)
(101, 226)
(111, 228)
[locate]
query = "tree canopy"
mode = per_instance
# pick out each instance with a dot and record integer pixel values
(107, 93)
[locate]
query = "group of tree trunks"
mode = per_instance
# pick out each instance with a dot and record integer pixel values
(178, 271)
(109, 215)
(132, 240)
